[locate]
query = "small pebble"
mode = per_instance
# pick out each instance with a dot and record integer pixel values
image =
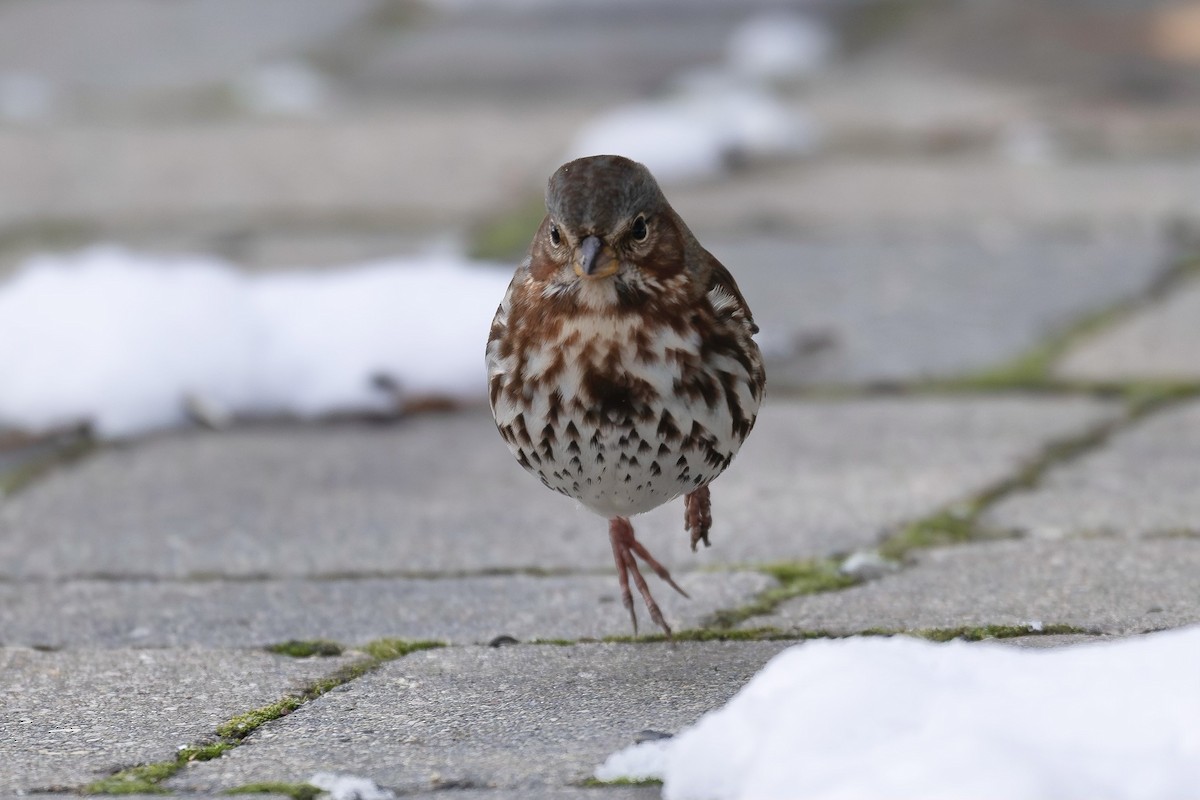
(650, 736)
(502, 640)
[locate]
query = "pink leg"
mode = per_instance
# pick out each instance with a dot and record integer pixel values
(625, 547)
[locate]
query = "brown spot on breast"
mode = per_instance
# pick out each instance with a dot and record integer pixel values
(668, 431)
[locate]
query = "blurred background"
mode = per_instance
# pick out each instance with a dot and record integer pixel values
(908, 190)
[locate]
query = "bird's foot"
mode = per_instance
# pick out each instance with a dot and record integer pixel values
(697, 516)
(625, 547)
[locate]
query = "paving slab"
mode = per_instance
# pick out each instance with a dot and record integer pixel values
(125, 46)
(442, 494)
(1143, 482)
(983, 194)
(416, 168)
(1106, 585)
(255, 613)
(72, 717)
(879, 307)
(1156, 343)
(485, 717)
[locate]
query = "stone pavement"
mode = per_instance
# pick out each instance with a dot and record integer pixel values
(983, 421)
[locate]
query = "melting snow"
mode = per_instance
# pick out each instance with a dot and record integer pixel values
(905, 718)
(126, 341)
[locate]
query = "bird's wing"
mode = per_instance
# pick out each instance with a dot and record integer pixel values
(724, 295)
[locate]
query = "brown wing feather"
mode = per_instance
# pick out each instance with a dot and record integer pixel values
(721, 278)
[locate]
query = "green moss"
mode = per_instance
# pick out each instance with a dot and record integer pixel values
(306, 649)
(379, 651)
(390, 649)
(243, 725)
(596, 783)
(556, 642)
(17, 479)
(796, 578)
(1032, 369)
(296, 791)
(507, 236)
(977, 633)
(942, 528)
(146, 778)
(1145, 397)
(708, 635)
(47, 234)
(202, 752)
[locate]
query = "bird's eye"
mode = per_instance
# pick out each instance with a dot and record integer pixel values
(555, 236)
(639, 231)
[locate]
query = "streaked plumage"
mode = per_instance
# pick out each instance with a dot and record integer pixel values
(621, 368)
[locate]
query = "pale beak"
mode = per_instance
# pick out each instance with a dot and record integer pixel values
(596, 259)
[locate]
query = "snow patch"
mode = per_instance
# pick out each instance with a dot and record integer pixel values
(349, 787)
(780, 46)
(905, 718)
(128, 341)
(700, 132)
(722, 115)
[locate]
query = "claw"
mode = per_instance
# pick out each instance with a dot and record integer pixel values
(625, 547)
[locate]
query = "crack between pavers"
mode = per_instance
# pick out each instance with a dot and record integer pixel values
(148, 778)
(953, 524)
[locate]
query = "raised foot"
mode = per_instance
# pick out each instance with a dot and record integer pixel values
(697, 516)
(625, 546)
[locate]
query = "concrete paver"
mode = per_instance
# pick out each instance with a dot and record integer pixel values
(216, 613)
(123, 46)
(870, 307)
(988, 195)
(510, 717)
(813, 480)
(1142, 482)
(1104, 585)
(72, 717)
(414, 169)
(1157, 343)
(161, 567)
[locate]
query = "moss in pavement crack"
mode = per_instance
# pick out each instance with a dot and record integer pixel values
(306, 648)
(17, 479)
(148, 778)
(972, 633)
(296, 791)
(596, 783)
(1033, 369)
(378, 651)
(795, 578)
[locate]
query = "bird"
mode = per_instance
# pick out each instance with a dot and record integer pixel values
(621, 367)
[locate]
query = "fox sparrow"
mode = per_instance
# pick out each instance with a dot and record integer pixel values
(621, 369)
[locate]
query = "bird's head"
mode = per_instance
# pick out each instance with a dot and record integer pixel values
(609, 235)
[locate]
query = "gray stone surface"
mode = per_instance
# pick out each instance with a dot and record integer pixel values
(415, 169)
(1104, 585)
(1142, 482)
(988, 195)
(900, 307)
(1157, 343)
(546, 793)
(814, 479)
(508, 717)
(143, 613)
(71, 717)
(126, 45)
